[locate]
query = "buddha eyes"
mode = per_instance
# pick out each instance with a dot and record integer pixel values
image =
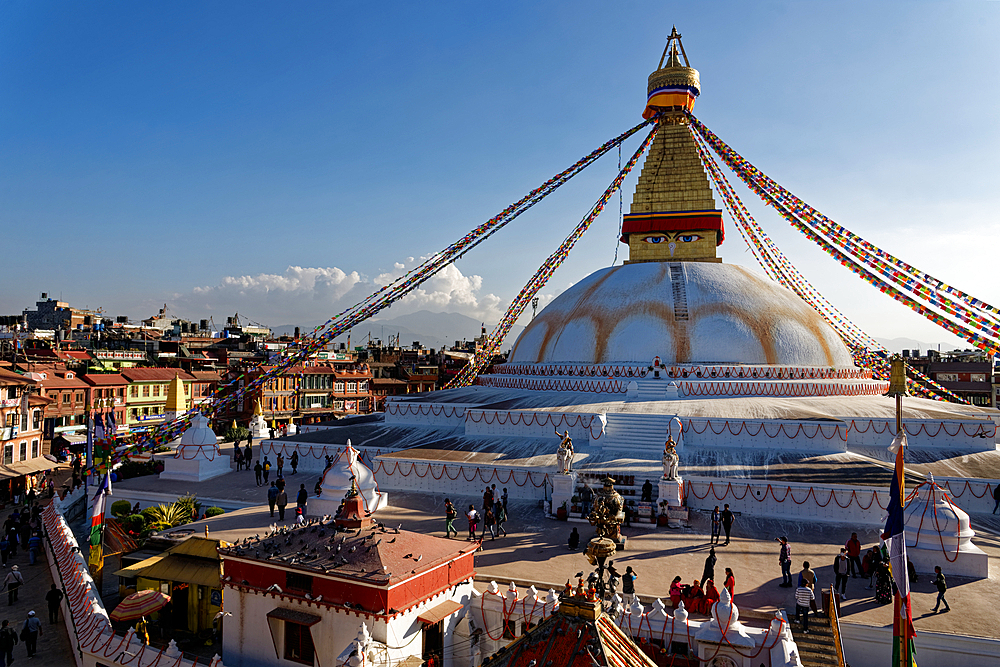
(683, 238)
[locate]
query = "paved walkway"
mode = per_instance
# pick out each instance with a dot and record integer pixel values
(535, 552)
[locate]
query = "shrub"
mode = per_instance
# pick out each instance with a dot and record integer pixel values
(134, 523)
(171, 515)
(214, 511)
(121, 509)
(150, 514)
(189, 504)
(130, 469)
(237, 433)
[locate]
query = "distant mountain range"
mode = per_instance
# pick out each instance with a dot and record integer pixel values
(429, 329)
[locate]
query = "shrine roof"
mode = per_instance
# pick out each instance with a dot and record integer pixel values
(378, 555)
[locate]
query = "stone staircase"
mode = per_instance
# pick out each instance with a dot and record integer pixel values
(816, 648)
(628, 430)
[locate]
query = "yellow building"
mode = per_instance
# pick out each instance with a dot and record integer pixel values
(189, 573)
(155, 392)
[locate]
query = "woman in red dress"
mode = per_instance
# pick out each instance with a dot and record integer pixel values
(692, 601)
(730, 582)
(675, 592)
(711, 597)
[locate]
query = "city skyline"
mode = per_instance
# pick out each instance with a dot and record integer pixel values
(285, 163)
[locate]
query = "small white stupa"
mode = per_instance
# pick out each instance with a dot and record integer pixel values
(198, 457)
(258, 425)
(938, 533)
(337, 482)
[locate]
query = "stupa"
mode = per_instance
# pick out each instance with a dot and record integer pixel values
(745, 377)
(347, 475)
(258, 425)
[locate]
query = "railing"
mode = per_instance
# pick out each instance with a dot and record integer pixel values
(834, 617)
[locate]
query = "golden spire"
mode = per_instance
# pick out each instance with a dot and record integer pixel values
(258, 411)
(176, 403)
(673, 216)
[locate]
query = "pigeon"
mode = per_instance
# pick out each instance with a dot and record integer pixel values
(578, 575)
(419, 557)
(275, 588)
(392, 540)
(408, 556)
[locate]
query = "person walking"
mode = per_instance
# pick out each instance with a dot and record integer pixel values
(808, 576)
(267, 469)
(853, 548)
(727, 521)
(804, 598)
(574, 540)
(238, 456)
(32, 628)
(13, 581)
(281, 500)
(500, 515)
(449, 518)
(54, 599)
(647, 492)
(272, 497)
(301, 498)
(280, 463)
(8, 640)
(996, 497)
(841, 565)
(503, 499)
(785, 560)
(730, 583)
(942, 586)
(716, 525)
(489, 520)
(258, 469)
(294, 461)
(247, 455)
(34, 548)
(473, 516)
(487, 499)
(628, 581)
(4, 549)
(710, 561)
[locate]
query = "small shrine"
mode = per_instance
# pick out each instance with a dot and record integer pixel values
(344, 475)
(198, 457)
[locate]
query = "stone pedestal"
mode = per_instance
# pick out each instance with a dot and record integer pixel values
(563, 486)
(671, 491)
(197, 458)
(938, 532)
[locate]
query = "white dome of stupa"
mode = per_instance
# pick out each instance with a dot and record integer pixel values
(683, 312)
(198, 434)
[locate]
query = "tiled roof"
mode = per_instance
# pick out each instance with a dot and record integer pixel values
(155, 374)
(10, 377)
(104, 379)
(207, 376)
(376, 555)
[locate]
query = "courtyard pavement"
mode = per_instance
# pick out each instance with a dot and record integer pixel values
(535, 552)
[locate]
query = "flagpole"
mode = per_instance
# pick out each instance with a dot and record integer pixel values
(902, 626)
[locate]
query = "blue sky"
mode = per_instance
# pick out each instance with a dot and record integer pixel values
(276, 159)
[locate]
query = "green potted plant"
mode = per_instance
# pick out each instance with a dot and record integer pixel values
(562, 514)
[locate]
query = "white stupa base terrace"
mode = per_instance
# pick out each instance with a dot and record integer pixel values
(196, 469)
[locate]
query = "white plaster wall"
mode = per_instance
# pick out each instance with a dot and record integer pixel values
(530, 424)
(414, 475)
(923, 434)
(765, 434)
(867, 646)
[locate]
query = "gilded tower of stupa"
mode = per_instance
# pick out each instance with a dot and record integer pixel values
(673, 216)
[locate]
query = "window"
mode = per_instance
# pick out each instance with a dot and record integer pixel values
(79, 397)
(187, 390)
(120, 392)
(947, 377)
(11, 392)
(300, 583)
(36, 419)
(509, 629)
(135, 413)
(977, 377)
(145, 390)
(34, 449)
(65, 398)
(156, 390)
(338, 386)
(8, 454)
(352, 386)
(299, 643)
(24, 450)
(12, 418)
(133, 391)
(363, 385)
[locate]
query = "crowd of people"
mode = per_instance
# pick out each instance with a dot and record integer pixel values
(493, 516)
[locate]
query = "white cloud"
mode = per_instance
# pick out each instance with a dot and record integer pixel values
(307, 294)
